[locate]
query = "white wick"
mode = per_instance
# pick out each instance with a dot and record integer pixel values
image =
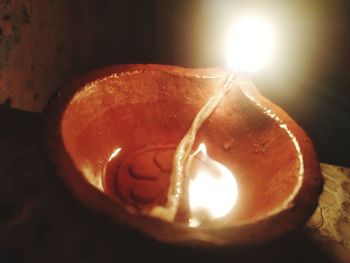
(182, 152)
(249, 47)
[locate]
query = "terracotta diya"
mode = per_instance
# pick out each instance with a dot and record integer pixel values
(252, 174)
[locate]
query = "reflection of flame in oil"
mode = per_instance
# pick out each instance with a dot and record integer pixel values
(212, 188)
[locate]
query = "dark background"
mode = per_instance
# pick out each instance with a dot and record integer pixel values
(308, 76)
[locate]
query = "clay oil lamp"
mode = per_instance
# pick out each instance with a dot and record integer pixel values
(190, 156)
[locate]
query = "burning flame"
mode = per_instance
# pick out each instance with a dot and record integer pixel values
(212, 188)
(250, 44)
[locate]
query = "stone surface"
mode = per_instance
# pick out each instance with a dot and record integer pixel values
(331, 222)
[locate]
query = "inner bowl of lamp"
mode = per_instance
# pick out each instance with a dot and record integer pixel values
(113, 134)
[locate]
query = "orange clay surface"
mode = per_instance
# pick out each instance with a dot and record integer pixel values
(145, 110)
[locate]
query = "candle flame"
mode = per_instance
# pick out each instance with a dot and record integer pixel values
(212, 188)
(250, 44)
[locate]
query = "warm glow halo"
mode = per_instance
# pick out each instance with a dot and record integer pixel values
(250, 44)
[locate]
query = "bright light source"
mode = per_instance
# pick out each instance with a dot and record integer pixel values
(212, 189)
(250, 44)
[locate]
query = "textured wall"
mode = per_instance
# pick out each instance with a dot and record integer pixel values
(44, 43)
(37, 50)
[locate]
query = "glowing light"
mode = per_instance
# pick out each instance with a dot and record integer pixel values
(114, 153)
(212, 188)
(250, 44)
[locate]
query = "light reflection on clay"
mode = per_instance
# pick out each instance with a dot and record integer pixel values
(244, 86)
(92, 176)
(114, 153)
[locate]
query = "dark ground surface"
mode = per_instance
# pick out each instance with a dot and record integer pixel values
(41, 222)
